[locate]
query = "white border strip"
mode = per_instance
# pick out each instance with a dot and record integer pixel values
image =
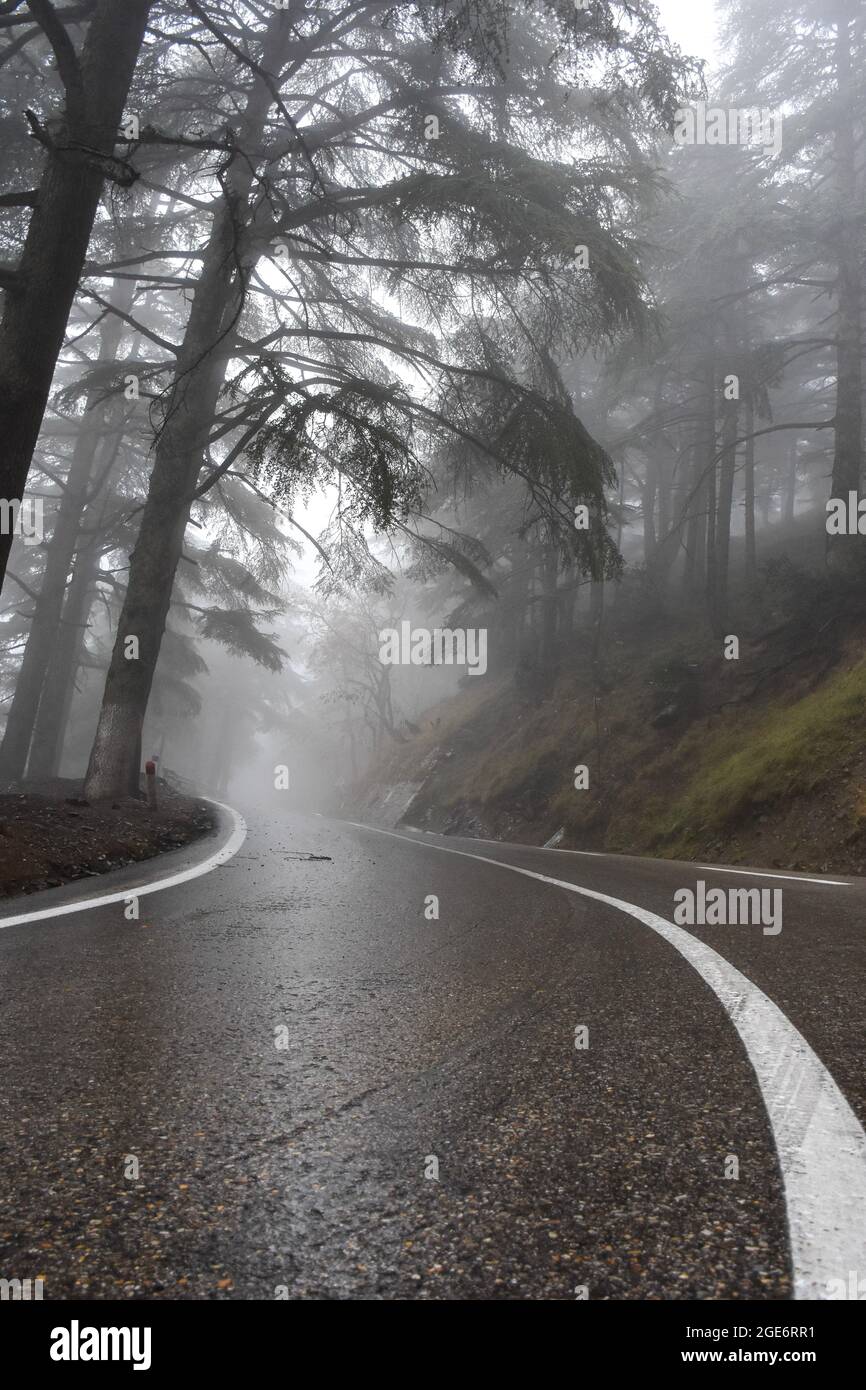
(819, 1140)
(221, 856)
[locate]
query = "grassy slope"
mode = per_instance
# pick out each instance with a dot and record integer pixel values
(765, 770)
(778, 755)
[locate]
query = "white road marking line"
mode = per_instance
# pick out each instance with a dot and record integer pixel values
(604, 854)
(819, 1140)
(221, 856)
(759, 873)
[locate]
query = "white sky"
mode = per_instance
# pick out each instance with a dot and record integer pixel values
(691, 24)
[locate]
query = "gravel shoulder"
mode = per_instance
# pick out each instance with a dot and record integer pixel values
(50, 835)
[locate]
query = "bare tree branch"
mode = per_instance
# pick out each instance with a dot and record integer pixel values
(28, 198)
(67, 60)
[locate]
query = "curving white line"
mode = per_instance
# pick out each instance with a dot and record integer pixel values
(605, 854)
(789, 878)
(819, 1140)
(230, 848)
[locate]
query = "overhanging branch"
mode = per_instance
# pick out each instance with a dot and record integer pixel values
(28, 198)
(67, 60)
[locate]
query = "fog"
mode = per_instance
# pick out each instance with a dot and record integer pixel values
(632, 365)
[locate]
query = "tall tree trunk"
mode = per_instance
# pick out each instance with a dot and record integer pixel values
(90, 443)
(703, 450)
(648, 508)
(596, 606)
(710, 542)
(674, 507)
(765, 502)
(567, 602)
(749, 500)
(113, 769)
(620, 521)
(349, 728)
(848, 453)
(704, 489)
(518, 595)
(664, 489)
(650, 488)
(59, 687)
(790, 504)
(723, 515)
(56, 702)
(549, 605)
(40, 297)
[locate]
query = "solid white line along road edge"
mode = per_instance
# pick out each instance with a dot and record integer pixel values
(603, 854)
(819, 1140)
(230, 848)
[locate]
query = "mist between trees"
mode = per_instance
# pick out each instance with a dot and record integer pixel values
(439, 294)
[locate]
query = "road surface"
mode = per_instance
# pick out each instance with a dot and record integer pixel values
(287, 1078)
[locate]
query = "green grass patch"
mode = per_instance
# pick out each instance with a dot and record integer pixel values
(786, 752)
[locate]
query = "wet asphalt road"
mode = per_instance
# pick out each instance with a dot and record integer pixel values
(410, 1043)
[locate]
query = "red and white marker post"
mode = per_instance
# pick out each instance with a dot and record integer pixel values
(150, 777)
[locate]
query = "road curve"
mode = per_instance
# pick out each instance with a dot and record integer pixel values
(819, 1141)
(328, 1093)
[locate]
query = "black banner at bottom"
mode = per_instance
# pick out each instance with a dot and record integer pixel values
(159, 1338)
